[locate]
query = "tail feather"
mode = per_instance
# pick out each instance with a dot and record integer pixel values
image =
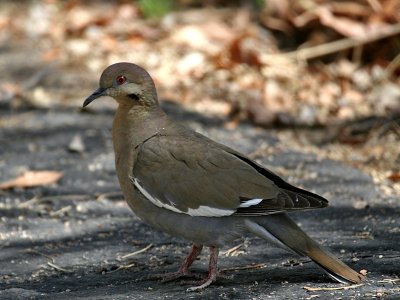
(281, 230)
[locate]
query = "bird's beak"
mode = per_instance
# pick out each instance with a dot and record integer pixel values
(96, 94)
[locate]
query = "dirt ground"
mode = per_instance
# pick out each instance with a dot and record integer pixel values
(68, 240)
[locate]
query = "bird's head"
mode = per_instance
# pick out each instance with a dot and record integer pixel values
(128, 84)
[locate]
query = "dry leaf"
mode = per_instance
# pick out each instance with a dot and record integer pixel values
(395, 177)
(31, 179)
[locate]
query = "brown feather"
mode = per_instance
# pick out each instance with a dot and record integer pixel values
(288, 233)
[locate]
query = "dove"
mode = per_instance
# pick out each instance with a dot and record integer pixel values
(187, 185)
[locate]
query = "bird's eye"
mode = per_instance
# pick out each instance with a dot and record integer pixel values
(121, 80)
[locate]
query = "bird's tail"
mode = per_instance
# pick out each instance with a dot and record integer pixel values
(281, 230)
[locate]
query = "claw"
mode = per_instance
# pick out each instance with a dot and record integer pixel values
(183, 269)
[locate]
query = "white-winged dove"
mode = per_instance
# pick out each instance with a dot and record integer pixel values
(190, 186)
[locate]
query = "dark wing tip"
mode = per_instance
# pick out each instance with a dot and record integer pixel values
(285, 187)
(285, 201)
(302, 199)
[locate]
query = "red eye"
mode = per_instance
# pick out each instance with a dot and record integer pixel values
(121, 80)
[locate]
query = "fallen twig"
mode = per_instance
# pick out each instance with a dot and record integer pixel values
(58, 268)
(346, 287)
(232, 250)
(389, 280)
(42, 254)
(123, 267)
(332, 47)
(34, 200)
(60, 211)
(50, 263)
(137, 252)
(258, 266)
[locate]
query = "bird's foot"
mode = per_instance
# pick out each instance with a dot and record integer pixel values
(206, 281)
(202, 284)
(213, 272)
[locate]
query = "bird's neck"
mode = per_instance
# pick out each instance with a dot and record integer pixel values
(132, 126)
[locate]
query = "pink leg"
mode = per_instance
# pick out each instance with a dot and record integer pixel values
(212, 271)
(184, 268)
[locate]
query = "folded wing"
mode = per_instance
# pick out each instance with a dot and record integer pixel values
(199, 177)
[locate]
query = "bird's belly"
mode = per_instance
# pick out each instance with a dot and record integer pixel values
(209, 231)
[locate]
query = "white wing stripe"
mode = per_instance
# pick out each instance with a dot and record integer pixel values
(206, 211)
(201, 211)
(152, 199)
(250, 202)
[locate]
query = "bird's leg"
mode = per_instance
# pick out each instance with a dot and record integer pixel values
(184, 268)
(212, 271)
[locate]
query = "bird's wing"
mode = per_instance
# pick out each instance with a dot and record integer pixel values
(197, 176)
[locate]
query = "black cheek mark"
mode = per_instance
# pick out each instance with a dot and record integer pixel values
(134, 97)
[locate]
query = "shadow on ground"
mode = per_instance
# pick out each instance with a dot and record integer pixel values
(68, 240)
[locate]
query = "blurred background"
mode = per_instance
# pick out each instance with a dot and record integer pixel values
(309, 88)
(324, 72)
